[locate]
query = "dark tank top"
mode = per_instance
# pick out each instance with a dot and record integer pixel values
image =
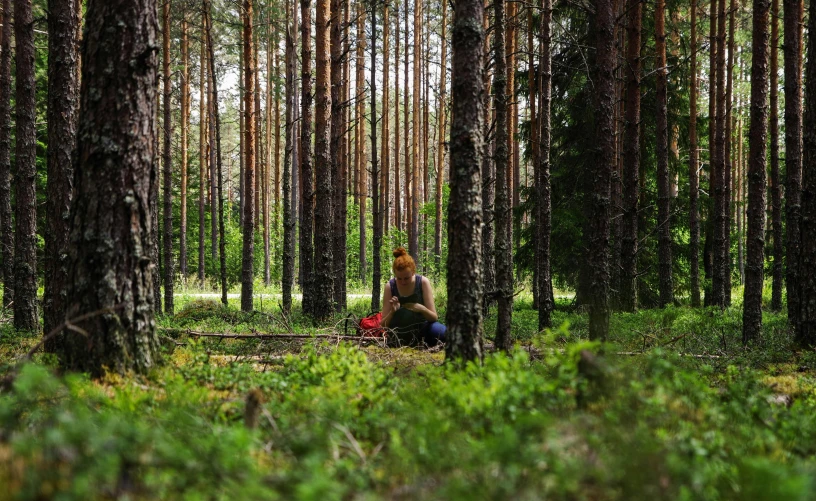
(407, 323)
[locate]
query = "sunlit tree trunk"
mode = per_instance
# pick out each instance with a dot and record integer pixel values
(385, 155)
(397, 192)
(247, 268)
(360, 138)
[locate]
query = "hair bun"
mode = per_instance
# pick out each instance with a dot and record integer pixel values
(400, 251)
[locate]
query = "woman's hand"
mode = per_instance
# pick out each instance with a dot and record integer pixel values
(395, 304)
(417, 308)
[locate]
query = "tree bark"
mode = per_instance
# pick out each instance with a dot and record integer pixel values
(63, 107)
(776, 185)
(631, 159)
(600, 172)
(322, 305)
(694, 178)
(792, 52)
(338, 130)
(216, 134)
(6, 226)
(185, 128)
(202, 156)
(501, 158)
(413, 240)
(247, 258)
(406, 109)
(397, 192)
(288, 168)
(542, 174)
(167, 164)
(666, 287)
(488, 180)
(385, 155)
(720, 223)
(441, 129)
(465, 210)
(758, 135)
(360, 139)
(806, 332)
(111, 275)
(375, 173)
(25, 254)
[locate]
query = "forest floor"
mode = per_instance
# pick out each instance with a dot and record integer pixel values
(672, 407)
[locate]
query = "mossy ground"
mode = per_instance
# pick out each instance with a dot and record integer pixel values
(676, 409)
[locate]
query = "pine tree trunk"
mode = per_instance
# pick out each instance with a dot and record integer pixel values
(694, 178)
(663, 184)
(6, 227)
(268, 158)
(542, 167)
(324, 263)
(407, 178)
(631, 159)
(792, 51)
(25, 254)
(213, 180)
(375, 173)
(776, 184)
(338, 128)
(155, 244)
(757, 137)
(413, 239)
(501, 158)
(464, 315)
(216, 134)
(185, 127)
(488, 175)
(360, 138)
(806, 332)
(600, 172)
(385, 155)
(397, 192)
(202, 157)
(167, 165)
(712, 282)
(727, 174)
(110, 215)
(247, 258)
(442, 129)
(63, 108)
(288, 168)
(720, 223)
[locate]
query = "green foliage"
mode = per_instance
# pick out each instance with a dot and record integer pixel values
(339, 422)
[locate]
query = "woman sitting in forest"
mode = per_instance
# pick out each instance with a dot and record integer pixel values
(408, 304)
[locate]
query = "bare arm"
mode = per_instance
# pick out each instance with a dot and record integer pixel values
(389, 306)
(428, 308)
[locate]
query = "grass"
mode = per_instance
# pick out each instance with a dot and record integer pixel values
(677, 409)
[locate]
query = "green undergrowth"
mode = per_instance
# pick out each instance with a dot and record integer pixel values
(639, 419)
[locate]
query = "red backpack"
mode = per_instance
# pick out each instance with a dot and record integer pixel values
(370, 326)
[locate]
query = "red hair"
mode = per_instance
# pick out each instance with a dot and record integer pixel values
(403, 261)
